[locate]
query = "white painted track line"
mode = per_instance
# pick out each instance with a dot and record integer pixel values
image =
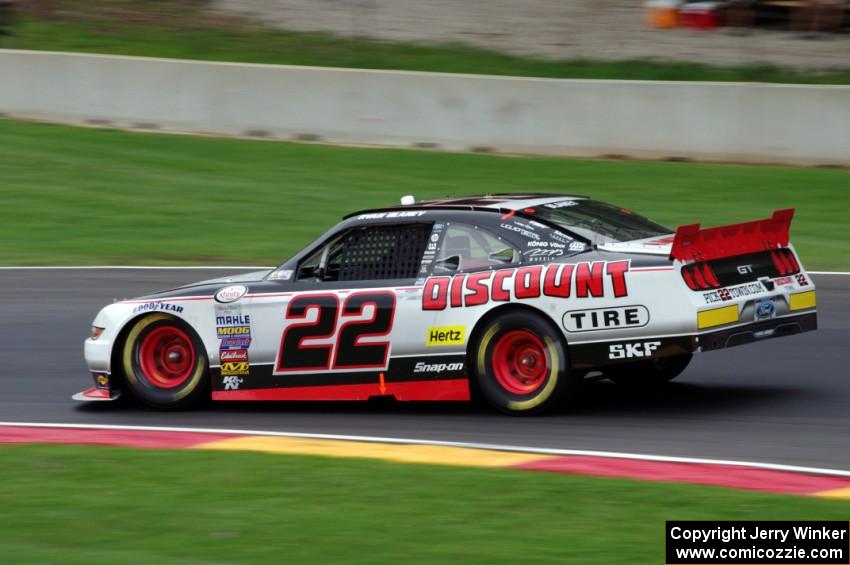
(468, 445)
(828, 272)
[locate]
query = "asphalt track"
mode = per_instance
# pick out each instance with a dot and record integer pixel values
(783, 401)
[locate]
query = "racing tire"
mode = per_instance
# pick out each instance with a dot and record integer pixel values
(520, 365)
(165, 363)
(651, 372)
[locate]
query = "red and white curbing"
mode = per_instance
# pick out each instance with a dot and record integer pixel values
(744, 475)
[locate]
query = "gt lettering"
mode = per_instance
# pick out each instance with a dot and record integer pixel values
(632, 350)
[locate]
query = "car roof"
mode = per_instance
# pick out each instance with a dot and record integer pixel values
(513, 201)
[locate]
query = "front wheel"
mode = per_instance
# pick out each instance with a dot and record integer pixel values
(165, 363)
(652, 372)
(520, 365)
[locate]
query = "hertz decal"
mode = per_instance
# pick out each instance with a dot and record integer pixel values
(446, 335)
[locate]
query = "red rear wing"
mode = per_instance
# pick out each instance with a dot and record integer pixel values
(693, 243)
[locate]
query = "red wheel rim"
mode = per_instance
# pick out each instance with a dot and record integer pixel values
(520, 363)
(166, 357)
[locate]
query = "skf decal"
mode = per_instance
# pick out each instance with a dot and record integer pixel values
(235, 368)
(446, 335)
(632, 350)
(606, 318)
(581, 280)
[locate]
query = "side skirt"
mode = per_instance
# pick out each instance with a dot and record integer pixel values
(441, 390)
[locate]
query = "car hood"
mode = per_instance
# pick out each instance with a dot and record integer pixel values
(208, 287)
(254, 276)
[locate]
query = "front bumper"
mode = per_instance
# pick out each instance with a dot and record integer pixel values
(97, 354)
(95, 394)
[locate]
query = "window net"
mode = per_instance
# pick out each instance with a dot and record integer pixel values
(383, 252)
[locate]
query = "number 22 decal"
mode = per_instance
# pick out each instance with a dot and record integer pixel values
(347, 325)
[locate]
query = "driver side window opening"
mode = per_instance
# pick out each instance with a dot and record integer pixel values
(469, 248)
(369, 253)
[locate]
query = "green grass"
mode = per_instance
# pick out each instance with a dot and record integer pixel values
(74, 504)
(91, 196)
(186, 36)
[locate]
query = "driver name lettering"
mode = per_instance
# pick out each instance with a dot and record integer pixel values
(581, 280)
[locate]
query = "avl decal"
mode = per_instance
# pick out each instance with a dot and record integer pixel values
(582, 280)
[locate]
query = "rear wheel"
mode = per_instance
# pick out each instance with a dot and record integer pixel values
(165, 363)
(520, 364)
(652, 372)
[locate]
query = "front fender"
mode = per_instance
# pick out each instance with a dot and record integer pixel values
(116, 318)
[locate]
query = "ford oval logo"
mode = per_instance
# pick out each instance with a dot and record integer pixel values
(765, 310)
(230, 293)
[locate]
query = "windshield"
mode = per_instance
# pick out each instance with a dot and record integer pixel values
(600, 222)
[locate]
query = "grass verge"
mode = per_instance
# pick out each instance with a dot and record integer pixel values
(183, 30)
(91, 196)
(75, 504)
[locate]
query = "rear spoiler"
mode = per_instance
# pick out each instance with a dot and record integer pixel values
(694, 244)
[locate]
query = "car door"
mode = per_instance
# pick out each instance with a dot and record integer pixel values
(344, 324)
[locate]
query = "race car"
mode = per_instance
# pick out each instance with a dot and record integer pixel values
(511, 298)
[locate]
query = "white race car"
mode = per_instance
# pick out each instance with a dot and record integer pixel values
(517, 297)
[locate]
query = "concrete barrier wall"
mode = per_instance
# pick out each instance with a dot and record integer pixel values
(709, 121)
